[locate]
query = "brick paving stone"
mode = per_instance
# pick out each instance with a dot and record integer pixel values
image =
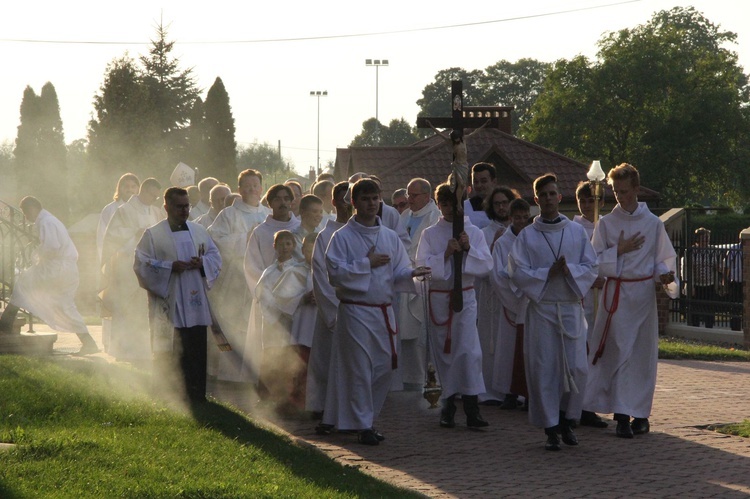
(679, 458)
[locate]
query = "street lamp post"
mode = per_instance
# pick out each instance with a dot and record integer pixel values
(318, 94)
(377, 63)
(596, 178)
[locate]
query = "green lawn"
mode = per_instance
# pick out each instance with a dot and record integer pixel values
(89, 429)
(739, 429)
(676, 348)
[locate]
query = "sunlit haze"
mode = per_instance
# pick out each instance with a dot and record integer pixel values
(269, 82)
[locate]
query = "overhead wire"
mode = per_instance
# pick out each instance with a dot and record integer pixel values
(328, 37)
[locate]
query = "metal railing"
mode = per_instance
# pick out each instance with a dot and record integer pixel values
(710, 276)
(17, 241)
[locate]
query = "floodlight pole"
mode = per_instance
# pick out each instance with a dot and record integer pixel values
(318, 94)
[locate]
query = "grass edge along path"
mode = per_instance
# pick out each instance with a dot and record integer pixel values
(88, 429)
(682, 349)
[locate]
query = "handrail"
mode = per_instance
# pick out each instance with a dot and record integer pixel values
(17, 240)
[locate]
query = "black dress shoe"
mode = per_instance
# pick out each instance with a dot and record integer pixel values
(324, 429)
(448, 413)
(368, 437)
(623, 429)
(378, 435)
(491, 403)
(640, 426)
(510, 402)
(568, 437)
(476, 421)
(592, 419)
(553, 441)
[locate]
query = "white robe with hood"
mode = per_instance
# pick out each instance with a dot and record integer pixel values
(555, 327)
(624, 379)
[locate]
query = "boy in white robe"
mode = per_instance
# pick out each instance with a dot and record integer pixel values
(635, 254)
(453, 334)
(294, 296)
(259, 254)
(275, 371)
(323, 189)
(230, 231)
(310, 215)
(327, 304)
(47, 289)
(127, 302)
(553, 263)
(176, 262)
(586, 204)
(389, 216)
(509, 377)
(366, 262)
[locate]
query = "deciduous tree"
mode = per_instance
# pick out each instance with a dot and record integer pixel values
(374, 133)
(266, 159)
(515, 84)
(666, 96)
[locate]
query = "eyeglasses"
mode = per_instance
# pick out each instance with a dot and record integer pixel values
(415, 194)
(402, 204)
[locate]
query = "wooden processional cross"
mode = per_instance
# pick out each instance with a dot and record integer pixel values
(457, 122)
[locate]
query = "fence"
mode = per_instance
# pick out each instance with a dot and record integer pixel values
(711, 279)
(17, 241)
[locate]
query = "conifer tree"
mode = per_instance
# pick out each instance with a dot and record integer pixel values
(40, 151)
(172, 92)
(195, 146)
(221, 147)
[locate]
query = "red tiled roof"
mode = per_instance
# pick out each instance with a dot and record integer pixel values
(518, 163)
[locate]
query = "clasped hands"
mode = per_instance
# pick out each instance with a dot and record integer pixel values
(195, 263)
(559, 267)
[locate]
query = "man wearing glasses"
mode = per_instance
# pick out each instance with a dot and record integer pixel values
(422, 213)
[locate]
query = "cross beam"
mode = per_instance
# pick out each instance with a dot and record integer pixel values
(458, 121)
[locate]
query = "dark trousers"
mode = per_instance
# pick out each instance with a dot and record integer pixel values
(8, 318)
(189, 356)
(703, 311)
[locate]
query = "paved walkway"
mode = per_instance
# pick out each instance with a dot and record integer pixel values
(679, 458)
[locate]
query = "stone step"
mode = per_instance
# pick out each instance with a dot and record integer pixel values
(27, 343)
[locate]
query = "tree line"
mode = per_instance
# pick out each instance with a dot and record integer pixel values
(667, 96)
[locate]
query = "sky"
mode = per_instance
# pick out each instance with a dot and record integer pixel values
(271, 56)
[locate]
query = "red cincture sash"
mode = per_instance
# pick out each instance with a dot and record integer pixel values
(391, 332)
(449, 320)
(612, 308)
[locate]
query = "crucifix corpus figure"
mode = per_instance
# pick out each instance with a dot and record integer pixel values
(459, 176)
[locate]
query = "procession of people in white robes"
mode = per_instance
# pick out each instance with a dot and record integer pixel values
(334, 327)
